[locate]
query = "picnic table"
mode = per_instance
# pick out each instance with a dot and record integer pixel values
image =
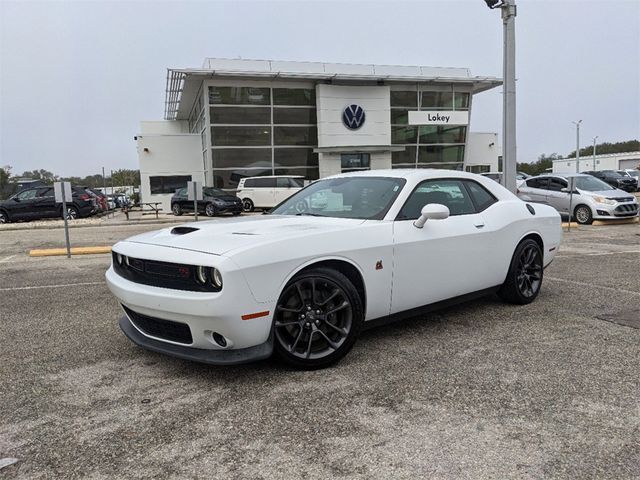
(153, 206)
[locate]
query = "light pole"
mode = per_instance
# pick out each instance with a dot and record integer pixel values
(577, 124)
(594, 151)
(509, 164)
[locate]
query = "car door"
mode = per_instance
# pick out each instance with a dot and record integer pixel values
(46, 202)
(264, 192)
(446, 258)
(556, 197)
(535, 190)
(23, 205)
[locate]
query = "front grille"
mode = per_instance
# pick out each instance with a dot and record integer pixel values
(177, 276)
(621, 200)
(159, 328)
(629, 209)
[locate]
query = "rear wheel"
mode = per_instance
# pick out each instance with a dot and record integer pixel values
(72, 213)
(247, 205)
(4, 218)
(583, 215)
(524, 278)
(210, 210)
(176, 209)
(318, 318)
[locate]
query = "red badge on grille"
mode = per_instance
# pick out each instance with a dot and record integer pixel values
(183, 272)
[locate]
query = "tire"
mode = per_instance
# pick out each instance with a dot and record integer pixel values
(210, 210)
(236, 213)
(583, 215)
(310, 340)
(247, 205)
(4, 217)
(176, 209)
(72, 213)
(524, 278)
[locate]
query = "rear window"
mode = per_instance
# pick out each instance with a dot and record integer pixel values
(538, 183)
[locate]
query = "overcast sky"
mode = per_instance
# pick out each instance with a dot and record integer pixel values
(77, 77)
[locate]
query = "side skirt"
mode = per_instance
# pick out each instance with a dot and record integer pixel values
(432, 307)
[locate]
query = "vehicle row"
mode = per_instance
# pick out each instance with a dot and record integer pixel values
(39, 202)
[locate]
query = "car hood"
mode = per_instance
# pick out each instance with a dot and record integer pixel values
(606, 193)
(219, 237)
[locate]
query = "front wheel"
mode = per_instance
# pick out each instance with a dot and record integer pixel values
(583, 215)
(318, 318)
(210, 210)
(247, 205)
(4, 218)
(524, 278)
(176, 209)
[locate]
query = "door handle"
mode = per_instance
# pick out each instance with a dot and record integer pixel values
(479, 224)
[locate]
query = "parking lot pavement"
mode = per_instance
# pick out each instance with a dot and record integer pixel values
(481, 390)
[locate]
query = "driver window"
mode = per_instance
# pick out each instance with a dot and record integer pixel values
(450, 193)
(27, 194)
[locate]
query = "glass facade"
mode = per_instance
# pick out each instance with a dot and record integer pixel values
(427, 146)
(258, 131)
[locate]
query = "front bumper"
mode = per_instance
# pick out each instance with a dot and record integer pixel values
(234, 208)
(212, 357)
(621, 210)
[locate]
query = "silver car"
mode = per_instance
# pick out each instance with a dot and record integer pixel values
(592, 198)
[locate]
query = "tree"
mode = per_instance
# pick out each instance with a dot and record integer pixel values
(41, 174)
(125, 177)
(5, 174)
(606, 147)
(543, 164)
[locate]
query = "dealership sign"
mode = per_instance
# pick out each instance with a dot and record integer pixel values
(353, 117)
(439, 117)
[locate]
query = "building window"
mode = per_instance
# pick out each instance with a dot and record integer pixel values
(400, 98)
(289, 116)
(355, 161)
(242, 136)
(168, 184)
(478, 168)
(295, 157)
(294, 96)
(242, 158)
(295, 135)
(239, 96)
(441, 154)
(239, 115)
(436, 100)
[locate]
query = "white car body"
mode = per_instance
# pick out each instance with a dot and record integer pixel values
(402, 268)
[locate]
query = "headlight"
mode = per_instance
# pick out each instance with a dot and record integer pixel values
(606, 201)
(216, 278)
(119, 258)
(201, 275)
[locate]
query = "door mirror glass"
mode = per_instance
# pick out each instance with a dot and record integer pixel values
(432, 211)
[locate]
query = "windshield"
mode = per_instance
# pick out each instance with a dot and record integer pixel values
(367, 198)
(592, 184)
(213, 192)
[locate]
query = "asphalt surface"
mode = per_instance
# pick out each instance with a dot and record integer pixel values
(481, 390)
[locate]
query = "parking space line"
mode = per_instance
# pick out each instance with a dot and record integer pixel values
(6, 259)
(34, 287)
(596, 254)
(585, 284)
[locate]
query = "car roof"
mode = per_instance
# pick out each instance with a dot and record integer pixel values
(562, 175)
(274, 176)
(408, 173)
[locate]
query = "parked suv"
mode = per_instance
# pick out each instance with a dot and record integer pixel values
(35, 203)
(635, 174)
(214, 201)
(616, 180)
(267, 191)
(591, 199)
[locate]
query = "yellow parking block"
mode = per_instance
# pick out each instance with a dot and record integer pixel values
(49, 252)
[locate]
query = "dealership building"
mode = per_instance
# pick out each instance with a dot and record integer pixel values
(610, 161)
(238, 118)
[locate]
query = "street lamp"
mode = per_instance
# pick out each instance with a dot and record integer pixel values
(508, 8)
(577, 124)
(594, 151)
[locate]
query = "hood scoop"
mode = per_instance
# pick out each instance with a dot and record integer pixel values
(183, 230)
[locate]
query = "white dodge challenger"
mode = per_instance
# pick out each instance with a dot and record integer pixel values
(346, 252)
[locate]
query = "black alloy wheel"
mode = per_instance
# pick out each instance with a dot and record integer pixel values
(318, 318)
(583, 215)
(176, 209)
(210, 210)
(524, 278)
(247, 205)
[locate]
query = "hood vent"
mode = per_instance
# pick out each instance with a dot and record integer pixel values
(244, 233)
(183, 230)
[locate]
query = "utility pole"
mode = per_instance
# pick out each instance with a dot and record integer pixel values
(578, 145)
(509, 151)
(594, 152)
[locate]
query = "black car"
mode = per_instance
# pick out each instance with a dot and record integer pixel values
(214, 201)
(616, 180)
(40, 202)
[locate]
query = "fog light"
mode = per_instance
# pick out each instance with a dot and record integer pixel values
(201, 275)
(216, 278)
(219, 339)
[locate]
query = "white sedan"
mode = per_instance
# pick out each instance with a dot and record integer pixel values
(345, 252)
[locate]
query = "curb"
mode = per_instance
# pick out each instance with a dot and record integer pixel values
(52, 252)
(88, 225)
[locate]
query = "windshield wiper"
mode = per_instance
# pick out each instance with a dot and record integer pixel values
(310, 214)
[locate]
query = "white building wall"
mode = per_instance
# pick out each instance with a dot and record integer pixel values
(613, 161)
(165, 150)
(483, 149)
(331, 101)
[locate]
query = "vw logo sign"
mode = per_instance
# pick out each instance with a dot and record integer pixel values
(353, 117)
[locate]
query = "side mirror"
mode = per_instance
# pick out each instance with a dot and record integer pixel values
(564, 190)
(16, 199)
(431, 211)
